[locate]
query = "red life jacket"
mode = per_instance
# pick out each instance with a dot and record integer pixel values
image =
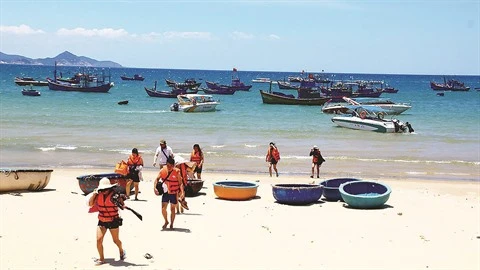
(172, 180)
(107, 210)
(196, 157)
(275, 154)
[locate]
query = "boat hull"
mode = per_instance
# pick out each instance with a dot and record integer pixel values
(365, 194)
(297, 194)
(211, 107)
(235, 190)
(88, 183)
(352, 122)
(57, 86)
(32, 93)
(193, 187)
(270, 98)
(331, 188)
(18, 180)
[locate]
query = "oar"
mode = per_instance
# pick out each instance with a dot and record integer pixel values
(134, 212)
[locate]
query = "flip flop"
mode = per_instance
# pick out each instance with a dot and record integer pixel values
(98, 262)
(184, 204)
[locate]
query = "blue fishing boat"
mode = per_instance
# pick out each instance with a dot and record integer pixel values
(297, 194)
(365, 194)
(235, 190)
(90, 182)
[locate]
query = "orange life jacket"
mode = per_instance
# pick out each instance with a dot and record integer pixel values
(275, 154)
(135, 160)
(183, 170)
(196, 157)
(172, 180)
(107, 210)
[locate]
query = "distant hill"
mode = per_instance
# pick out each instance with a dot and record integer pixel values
(64, 59)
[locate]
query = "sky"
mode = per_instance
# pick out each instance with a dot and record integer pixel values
(372, 36)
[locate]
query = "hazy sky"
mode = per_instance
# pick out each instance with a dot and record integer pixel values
(402, 36)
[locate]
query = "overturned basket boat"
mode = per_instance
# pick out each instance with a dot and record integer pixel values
(25, 179)
(365, 194)
(297, 194)
(90, 182)
(235, 190)
(193, 187)
(331, 187)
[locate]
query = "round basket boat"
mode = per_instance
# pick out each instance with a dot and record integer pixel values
(90, 182)
(365, 194)
(297, 194)
(235, 190)
(193, 187)
(24, 179)
(331, 187)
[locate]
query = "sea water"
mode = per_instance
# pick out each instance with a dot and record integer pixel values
(85, 130)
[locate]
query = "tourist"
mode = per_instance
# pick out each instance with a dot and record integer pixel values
(273, 156)
(135, 165)
(317, 160)
(170, 176)
(197, 157)
(107, 202)
(162, 153)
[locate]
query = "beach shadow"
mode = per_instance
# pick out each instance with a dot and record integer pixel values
(301, 205)
(177, 230)
(385, 206)
(197, 194)
(139, 200)
(113, 262)
(21, 192)
(190, 214)
(254, 198)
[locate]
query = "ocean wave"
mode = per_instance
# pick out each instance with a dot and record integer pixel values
(146, 112)
(251, 145)
(218, 146)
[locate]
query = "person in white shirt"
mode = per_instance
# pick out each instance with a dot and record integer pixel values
(162, 153)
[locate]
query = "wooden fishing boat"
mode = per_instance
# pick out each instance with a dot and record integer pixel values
(365, 194)
(193, 187)
(135, 77)
(24, 179)
(281, 98)
(187, 84)
(23, 81)
(331, 188)
(450, 85)
(219, 91)
(235, 190)
(87, 84)
(88, 183)
(297, 194)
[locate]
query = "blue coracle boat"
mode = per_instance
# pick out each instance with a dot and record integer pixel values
(331, 187)
(365, 194)
(297, 194)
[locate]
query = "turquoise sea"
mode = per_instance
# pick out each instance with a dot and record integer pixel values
(87, 130)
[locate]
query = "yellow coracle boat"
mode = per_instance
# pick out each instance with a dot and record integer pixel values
(24, 179)
(235, 190)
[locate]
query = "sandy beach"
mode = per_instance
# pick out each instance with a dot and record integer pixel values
(425, 225)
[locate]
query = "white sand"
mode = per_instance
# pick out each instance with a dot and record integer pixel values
(429, 225)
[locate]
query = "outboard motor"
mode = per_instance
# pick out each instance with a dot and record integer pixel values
(175, 107)
(410, 128)
(397, 126)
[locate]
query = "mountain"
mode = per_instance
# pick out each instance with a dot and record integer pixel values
(64, 59)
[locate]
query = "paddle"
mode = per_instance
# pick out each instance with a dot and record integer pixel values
(134, 212)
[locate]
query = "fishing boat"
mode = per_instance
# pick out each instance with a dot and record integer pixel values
(23, 81)
(24, 179)
(88, 84)
(219, 91)
(235, 190)
(371, 119)
(135, 77)
(31, 92)
(236, 84)
(305, 97)
(287, 85)
(450, 85)
(194, 103)
(172, 93)
(188, 83)
(331, 188)
(365, 194)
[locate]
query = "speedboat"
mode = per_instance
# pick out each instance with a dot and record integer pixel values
(371, 119)
(194, 103)
(387, 105)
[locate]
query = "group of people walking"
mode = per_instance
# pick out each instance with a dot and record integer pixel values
(170, 183)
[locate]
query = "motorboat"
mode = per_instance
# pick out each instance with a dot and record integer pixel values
(262, 80)
(371, 119)
(24, 179)
(31, 92)
(387, 105)
(194, 103)
(135, 77)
